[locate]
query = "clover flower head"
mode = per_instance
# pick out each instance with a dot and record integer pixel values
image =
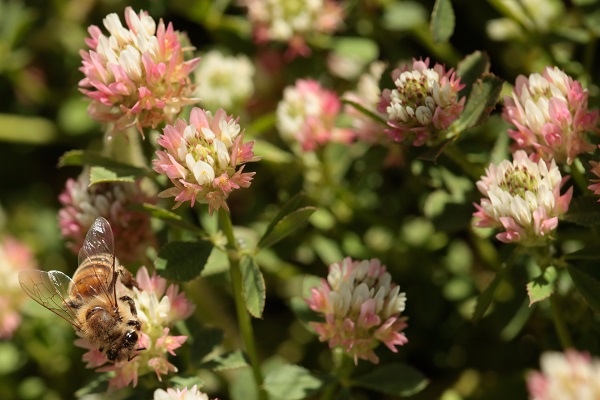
(14, 257)
(204, 159)
(523, 198)
(367, 94)
(307, 115)
(362, 307)
(550, 113)
(423, 103)
(571, 375)
(293, 21)
(138, 74)
(157, 312)
(82, 204)
(224, 81)
(192, 393)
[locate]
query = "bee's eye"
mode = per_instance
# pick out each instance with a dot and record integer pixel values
(131, 339)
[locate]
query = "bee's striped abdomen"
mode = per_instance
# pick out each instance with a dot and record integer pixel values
(94, 276)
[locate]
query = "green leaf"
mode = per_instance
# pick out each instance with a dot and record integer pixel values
(404, 16)
(254, 286)
(232, 360)
(186, 381)
(394, 379)
(586, 253)
(542, 287)
(21, 129)
(103, 175)
(365, 111)
(482, 100)
(182, 261)
(485, 298)
(167, 216)
(205, 340)
(584, 210)
(287, 220)
(103, 169)
(271, 153)
(292, 382)
(587, 283)
(357, 48)
(442, 21)
(471, 68)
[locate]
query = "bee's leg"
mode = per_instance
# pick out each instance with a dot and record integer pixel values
(135, 324)
(127, 278)
(130, 303)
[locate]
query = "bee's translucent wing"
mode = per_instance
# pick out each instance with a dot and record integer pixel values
(53, 290)
(97, 253)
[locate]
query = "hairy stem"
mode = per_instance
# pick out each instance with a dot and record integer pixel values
(244, 321)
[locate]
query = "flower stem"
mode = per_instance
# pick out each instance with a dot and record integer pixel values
(342, 368)
(244, 320)
(559, 324)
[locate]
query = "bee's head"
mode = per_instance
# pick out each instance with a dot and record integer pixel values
(124, 348)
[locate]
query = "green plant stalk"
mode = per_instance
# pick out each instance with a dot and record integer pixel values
(342, 369)
(244, 321)
(559, 324)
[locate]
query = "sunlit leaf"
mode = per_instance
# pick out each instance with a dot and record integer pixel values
(232, 360)
(542, 287)
(442, 21)
(482, 100)
(292, 382)
(254, 286)
(286, 221)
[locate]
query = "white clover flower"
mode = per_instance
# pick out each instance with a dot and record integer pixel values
(550, 115)
(523, 197)
(224, 81)
(362, 308)
(424, 101)
(565, 376)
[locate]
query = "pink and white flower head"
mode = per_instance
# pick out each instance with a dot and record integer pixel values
(293, 21)
(83, 203)
(14, 257)
(137, 75)
(361, 307)
(424, 103)
(192, 393)
(523, 198)
(565, 376)
(204, 159)
(367, 95)
(307, 115)
(550, 112)
(158, 310)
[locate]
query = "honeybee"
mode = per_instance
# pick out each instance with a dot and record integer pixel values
(89, 301)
